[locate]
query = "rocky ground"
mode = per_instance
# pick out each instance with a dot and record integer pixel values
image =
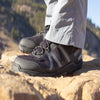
(82, 85)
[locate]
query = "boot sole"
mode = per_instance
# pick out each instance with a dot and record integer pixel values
(64, 71)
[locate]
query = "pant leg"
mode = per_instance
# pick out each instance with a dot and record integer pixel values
(50, 5)
(68, 23)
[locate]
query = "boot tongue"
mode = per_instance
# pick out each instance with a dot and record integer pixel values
(44, 46)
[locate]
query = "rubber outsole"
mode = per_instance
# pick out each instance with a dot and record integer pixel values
(63, 71)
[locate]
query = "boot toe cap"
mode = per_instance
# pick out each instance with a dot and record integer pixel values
(27, 43)
(24, 63)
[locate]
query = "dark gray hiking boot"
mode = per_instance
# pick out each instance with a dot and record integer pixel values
(27, 44)
(50, 59)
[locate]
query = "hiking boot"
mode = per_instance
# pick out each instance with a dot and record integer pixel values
(27, 44)
(50, 59)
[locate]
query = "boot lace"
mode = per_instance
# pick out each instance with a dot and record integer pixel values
(44, 46)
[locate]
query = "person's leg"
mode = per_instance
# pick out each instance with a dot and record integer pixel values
(50, 6)
(68, 24)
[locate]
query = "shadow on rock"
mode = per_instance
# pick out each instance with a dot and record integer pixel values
(88, 66)
(25, 96)
(54, 97)
(37, 95)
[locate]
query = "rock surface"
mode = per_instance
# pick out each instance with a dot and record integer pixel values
(82, 85)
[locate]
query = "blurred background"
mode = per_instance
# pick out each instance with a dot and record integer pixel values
(22, 18)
